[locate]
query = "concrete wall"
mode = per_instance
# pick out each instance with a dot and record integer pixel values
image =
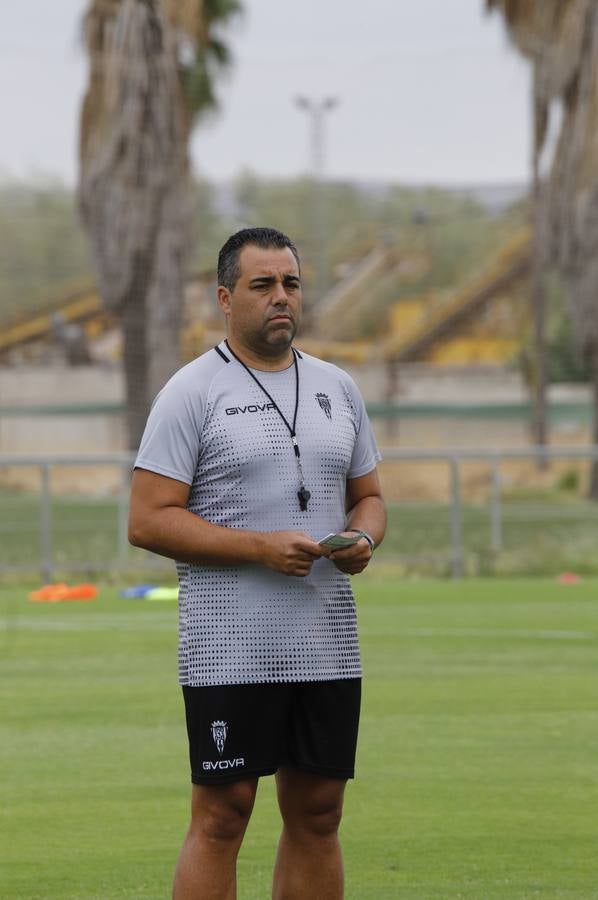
(60, 386)
(417, 384)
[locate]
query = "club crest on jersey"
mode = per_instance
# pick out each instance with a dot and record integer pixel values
(219, 731)
(325, 404)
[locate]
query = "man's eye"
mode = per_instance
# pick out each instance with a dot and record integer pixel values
(291, 285)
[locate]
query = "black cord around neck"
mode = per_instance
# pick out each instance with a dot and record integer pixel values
(292, 429)
(303, 494)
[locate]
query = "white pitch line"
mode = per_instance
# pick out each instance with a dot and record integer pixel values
(499, 632)
(103, 623)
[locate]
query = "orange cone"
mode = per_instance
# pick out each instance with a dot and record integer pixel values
(56, 593)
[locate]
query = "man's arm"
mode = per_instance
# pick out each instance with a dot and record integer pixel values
(365, 512)
(160, 521)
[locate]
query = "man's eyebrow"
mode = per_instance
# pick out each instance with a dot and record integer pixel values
(270, 279)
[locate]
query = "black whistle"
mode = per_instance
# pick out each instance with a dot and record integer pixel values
(304, 496)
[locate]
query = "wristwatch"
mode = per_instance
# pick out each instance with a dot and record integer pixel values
(365, 535)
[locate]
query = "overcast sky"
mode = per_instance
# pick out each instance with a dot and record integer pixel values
(428, 91)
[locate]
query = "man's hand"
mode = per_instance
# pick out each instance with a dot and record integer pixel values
(290, 552)
(354, 559)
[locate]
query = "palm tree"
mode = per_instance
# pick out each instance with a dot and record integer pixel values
(153, 64)
(561, 41)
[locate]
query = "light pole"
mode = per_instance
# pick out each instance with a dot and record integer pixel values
(316, 111)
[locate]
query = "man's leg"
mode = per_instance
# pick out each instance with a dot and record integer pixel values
(207, 865)
(309, 862)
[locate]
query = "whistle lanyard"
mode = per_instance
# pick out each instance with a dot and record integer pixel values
(303, 494)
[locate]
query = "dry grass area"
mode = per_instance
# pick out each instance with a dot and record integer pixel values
(407, 481)
(84, 480)
(431, 481)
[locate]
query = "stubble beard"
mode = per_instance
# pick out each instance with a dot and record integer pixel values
(275, 341)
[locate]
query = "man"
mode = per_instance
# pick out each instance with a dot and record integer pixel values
(251, 455)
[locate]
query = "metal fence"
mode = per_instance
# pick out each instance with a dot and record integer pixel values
(64, 514)
(481, 528)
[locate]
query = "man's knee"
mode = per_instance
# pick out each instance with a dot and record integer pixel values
(222, 825)
(311, 806)
(220, 814)
(320, 822)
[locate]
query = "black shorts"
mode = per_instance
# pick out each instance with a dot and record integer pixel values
(247, 730)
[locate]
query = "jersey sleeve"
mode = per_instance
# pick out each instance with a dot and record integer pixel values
(171, 441)
(365, 452)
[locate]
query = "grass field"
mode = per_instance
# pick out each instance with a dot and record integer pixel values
(477, 769)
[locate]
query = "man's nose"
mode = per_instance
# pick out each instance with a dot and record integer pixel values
(279, 294)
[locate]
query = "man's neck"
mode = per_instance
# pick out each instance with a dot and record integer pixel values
(276, 362)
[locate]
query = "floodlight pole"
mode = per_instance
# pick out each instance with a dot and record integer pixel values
(316, 111)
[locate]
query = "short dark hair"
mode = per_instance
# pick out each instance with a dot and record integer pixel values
(229, 268)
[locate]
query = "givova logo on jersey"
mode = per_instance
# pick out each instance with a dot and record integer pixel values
(219, 730)
(248, 408)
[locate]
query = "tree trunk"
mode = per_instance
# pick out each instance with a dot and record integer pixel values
(135, 362)
(539, 405)
(593, 487)
(165, 298)
(391, 396)
(539, 424)
(152, 313)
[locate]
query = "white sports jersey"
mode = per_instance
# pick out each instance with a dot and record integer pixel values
(212, 427)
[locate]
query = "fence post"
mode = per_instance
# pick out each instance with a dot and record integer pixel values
(456, 519)
(123, 512)
(45, 526)
(495, 508)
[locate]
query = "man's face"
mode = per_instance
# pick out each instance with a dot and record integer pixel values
(264, 309)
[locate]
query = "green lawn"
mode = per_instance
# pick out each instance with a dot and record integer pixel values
(477, 768)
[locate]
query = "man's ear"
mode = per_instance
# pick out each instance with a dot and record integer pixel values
(223, 295)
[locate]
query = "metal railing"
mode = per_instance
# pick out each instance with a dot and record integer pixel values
(47, 562)
(47, 533)
(455, 457)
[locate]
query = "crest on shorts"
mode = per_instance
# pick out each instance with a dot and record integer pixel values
(219, 731)
(325, 404)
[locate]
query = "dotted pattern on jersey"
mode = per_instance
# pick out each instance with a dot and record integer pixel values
(248, 624)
